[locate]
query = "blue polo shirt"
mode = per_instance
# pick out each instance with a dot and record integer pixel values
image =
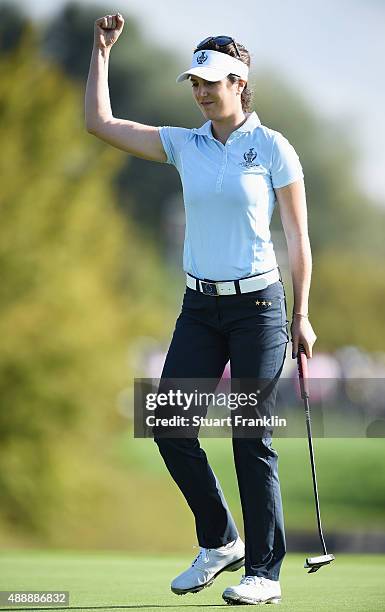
(228, 192)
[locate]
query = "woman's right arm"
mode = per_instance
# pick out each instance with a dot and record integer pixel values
(135, 138)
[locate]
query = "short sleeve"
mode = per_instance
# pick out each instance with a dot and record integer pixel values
(285, 165)
(173, 140)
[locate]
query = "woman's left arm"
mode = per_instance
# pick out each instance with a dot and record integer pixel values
(293, 211)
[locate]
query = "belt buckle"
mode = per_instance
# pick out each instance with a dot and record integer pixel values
(209, 288)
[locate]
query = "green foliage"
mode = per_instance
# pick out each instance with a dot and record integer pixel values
(341, 214)
(347, 301)
(142, 88)
(78, 287)
(12, 23)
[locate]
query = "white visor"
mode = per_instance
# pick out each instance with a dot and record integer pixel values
(214, 66)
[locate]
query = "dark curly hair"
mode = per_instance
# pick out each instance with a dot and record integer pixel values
(247, 93)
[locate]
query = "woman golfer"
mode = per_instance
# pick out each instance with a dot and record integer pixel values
(233, 170)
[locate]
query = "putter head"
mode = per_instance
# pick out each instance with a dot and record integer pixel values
(314, 563)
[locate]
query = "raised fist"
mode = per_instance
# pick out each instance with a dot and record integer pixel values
(107, 30)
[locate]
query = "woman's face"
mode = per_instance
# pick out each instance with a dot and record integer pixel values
(219, 99)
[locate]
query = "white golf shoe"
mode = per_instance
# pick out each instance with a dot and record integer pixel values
(253, 590)
(208, 564)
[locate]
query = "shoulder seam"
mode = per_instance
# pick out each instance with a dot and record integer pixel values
(188, 137)
(271, 153)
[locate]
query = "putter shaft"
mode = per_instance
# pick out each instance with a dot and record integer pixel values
(314, 563)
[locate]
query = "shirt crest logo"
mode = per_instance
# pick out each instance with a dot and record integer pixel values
(202, 58)
(249, 158)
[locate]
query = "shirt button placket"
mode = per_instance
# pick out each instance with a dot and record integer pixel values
(222, 170)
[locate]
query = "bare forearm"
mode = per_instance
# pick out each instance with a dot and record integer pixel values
(137, 139)
(300, 261)
(292, 203)
(97, 98)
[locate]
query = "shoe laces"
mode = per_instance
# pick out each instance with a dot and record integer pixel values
(251, 580)
(202, 557)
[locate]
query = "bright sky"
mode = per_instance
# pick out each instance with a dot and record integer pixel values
(332, 50)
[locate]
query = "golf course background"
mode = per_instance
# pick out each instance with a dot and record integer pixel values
(102, 580)
(91, 284)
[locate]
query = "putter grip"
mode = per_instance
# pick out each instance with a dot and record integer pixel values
(303, 372)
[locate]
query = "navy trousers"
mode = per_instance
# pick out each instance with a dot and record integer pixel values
(250, 330)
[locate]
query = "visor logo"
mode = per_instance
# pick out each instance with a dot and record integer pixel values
(249, 158)
(202, 58)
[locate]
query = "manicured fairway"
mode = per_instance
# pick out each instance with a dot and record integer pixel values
(104, 581)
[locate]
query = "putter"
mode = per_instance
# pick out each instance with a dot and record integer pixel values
(314, 563)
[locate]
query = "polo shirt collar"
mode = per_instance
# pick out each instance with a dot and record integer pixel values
(250, 124)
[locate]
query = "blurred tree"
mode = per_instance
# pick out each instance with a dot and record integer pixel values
(78, 286)
(341, 215)
(141, 80)
(12, 22)
(347, 298)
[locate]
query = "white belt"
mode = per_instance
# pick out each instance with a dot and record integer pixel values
(253, 283)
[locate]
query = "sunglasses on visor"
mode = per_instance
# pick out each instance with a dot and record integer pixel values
(220, 41)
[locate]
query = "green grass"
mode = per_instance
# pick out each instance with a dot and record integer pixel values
(350, 474)
(100, 581)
